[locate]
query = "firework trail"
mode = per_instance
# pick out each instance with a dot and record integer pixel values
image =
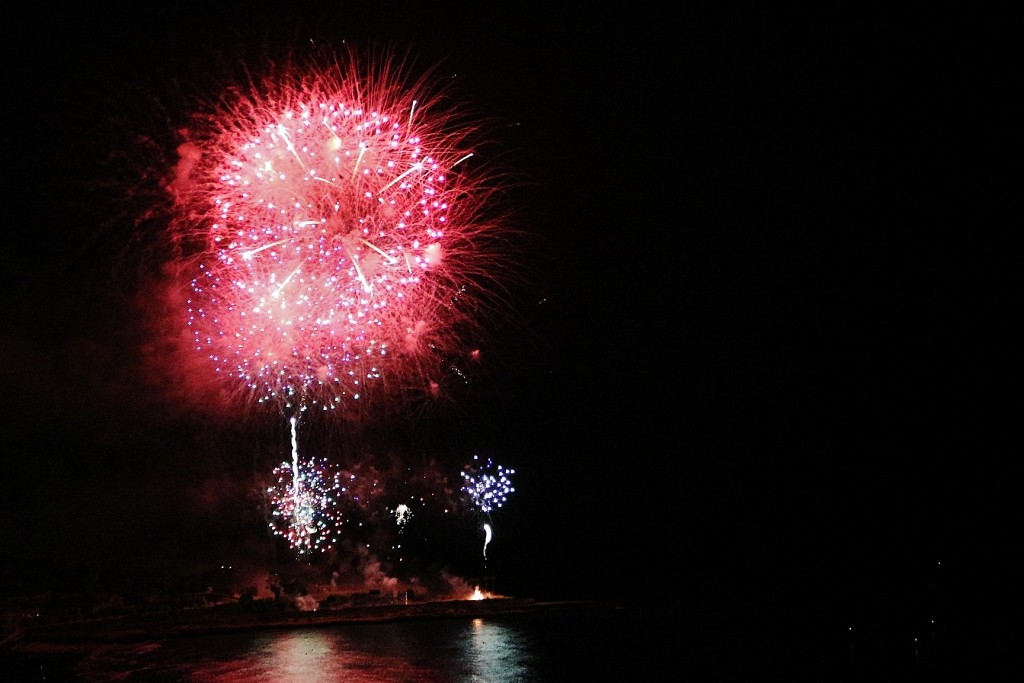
(487, 539)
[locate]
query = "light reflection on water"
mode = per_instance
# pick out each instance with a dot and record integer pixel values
(497, 653)
(483, 650)
(476, 651)
(312, 655)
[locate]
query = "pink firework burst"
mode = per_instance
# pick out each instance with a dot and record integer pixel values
(342, 236)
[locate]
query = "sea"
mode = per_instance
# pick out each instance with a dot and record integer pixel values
(584, 645)
(593, 644)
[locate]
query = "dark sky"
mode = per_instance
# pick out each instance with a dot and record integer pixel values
(766, 342)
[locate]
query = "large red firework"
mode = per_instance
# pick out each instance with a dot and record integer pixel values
(340, 235)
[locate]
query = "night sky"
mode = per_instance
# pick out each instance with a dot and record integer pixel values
(759, 366)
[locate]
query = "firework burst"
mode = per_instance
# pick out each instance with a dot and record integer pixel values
(487, 485)
(337, 229)
(305, 504)
(338, 239)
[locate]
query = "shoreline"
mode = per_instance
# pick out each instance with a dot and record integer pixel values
(77, 635)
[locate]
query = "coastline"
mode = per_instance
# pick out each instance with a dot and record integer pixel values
(76, 635)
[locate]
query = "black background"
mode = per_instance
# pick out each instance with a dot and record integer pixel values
(765, 378)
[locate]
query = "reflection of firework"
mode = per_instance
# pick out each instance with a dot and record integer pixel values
(488, 486)
(338, 227)
(305, 504)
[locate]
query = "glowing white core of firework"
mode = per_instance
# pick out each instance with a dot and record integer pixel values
(402, 514)
(487, 538)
